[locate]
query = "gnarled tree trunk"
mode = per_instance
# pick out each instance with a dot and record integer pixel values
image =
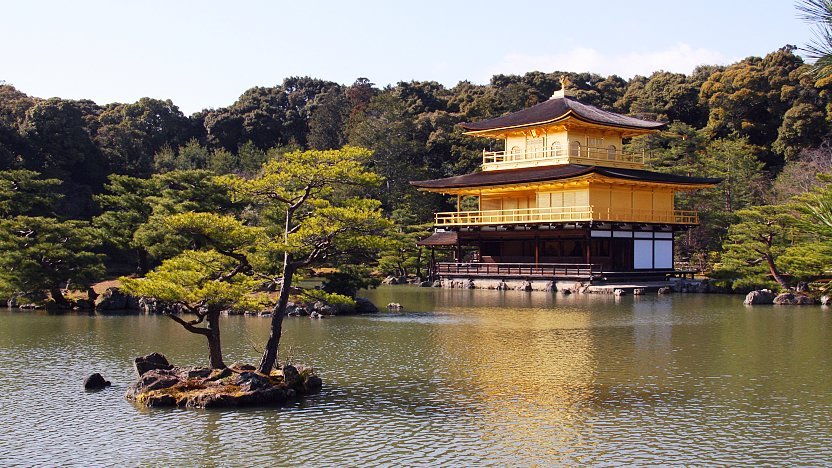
(58, 296)
(772, 268)
(270, 353)
(213, 336)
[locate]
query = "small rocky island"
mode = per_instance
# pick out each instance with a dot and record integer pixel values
(162, 384)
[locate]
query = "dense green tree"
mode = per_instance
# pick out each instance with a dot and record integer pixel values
(401, 256)
(178, 192)
(764, 100)
(44, 254)
(803, 173)
(191, 155)
(389, 131)
(24, 192)
(131, 134)
(755, 243)
(327, 120)
(13, 106)
(268, 117)
(126, 205)
(816, 209)
(205, 282)
(666, 96)
(315, 221)
(247, 160)
(61, 146)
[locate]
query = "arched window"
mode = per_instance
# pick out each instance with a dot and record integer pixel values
(556, 149)
(611, 152)
(575, 149)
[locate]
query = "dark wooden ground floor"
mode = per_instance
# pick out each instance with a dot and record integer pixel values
(610, 250)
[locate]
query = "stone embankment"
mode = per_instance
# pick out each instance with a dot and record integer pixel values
(163, 384)
(573, 287)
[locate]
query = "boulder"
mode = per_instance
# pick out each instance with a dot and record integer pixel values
(619, 292)
(437, 284)
(762, 296)
(322, 308)
(826, 300)
(151, 362)
(198, 373)
(252, 381)
(425, 284)
(315, 315)
(295, 310)
(96, 382)
(312, 384)
(219, 374)
(470, 284)
(291, 377)
(390, 280)
(665, 290)
(83, 304)
(242, 366)
(639, 291)
(365, 306)
(502, 286)
(788, 298)
(114, 299)
(149, 305)
(156, 379)
(394, 306)
(526, 286)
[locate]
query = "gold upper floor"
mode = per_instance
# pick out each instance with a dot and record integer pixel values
(564, 143)
(590, 198)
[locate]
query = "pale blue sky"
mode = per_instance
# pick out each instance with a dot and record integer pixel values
(206, 53)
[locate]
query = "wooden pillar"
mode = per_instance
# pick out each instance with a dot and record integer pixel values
(536, 249)
(458, 203)
(588, 251)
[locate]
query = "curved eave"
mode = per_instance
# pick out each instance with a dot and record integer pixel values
(570, 114)
(501, 180)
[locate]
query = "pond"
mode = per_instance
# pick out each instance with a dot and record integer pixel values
(457, 377)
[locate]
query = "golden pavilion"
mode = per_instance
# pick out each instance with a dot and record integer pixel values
(563, 201)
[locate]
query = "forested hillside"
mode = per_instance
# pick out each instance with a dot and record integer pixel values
(761, 124)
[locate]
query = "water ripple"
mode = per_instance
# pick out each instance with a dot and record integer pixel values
(457, 378)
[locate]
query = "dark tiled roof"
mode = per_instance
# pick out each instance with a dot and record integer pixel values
(439, 239)
(546, 173)
(556, 109)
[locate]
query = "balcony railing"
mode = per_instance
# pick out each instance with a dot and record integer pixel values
(575, 155)
(529, 270)
(565, 214)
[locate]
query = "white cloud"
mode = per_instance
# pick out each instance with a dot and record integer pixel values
(679, 58)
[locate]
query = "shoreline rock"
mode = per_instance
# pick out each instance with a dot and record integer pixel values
(96, 382)
(788, 298)
(759, 297)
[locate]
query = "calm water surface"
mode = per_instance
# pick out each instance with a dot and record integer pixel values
(476, 377)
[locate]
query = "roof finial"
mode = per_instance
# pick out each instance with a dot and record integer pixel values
(563, 91)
